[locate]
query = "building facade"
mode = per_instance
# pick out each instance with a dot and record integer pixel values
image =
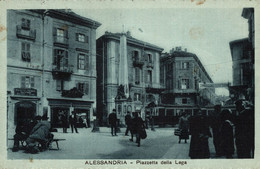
(127, 75)
(181, 73)
(51, 65)
(243, 53)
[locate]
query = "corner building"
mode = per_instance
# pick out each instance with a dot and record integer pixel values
(51, 65)
(127, 75)
(181, 73)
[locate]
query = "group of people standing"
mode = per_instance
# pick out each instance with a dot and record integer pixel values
(72, 122)
(229, 132)
(134, 124)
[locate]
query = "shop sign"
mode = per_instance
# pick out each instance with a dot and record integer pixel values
(25, 91)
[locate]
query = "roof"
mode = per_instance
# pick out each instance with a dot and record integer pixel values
(131, 40)
(247, 12)
(68, 15)
(186, 54)
(235, 42)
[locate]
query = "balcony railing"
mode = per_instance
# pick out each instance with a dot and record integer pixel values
(150, 64)
(24, 33)
(67, 68)
(60, 41)
(138, 62)
(153, 88)
(62, 71)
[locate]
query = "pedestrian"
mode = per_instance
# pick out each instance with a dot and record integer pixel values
(184, 127)
(226, 134)
(244, 130)
(199, 129)
(23, 131)
(138, 126)
(39, 134)
(128, 122)
(112, 121)
(64, 122)
(73, 122)
(215, 123)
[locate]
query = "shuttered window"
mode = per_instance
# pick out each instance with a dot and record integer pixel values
(137, 75)
(83, 61)
(83, 87)
(60, 58)
(27, 82)
(25, 52)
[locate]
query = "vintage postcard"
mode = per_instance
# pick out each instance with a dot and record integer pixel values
(129, 84)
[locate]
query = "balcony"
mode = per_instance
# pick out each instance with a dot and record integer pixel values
(62, 72)
(138, 62)
(61, 41)
(25, 33)
(153, 88)
(149, 65)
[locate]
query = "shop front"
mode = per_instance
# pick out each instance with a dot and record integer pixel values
(62, 107)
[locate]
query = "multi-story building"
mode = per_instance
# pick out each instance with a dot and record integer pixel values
(51, 65)
(181, 73)
(242, 52)
(127, 75)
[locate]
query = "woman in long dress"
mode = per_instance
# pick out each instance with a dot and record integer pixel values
(199, 129)
(184, 127)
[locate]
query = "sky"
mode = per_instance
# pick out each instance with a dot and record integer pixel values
(204, 32)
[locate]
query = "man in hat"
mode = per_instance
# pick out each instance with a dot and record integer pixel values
(128, 122)
(41, 134)
(73, 122)
(244, 130)
(23, 130)
(112, 121)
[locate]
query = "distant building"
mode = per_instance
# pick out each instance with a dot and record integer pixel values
(181, 73)
(127, 75)
(51, 65)
(242, 52)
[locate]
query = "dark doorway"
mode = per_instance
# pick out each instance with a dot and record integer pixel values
(56, 116)
(83, 117)
(24, 111)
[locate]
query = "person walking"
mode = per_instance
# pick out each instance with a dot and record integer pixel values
(199, 129)
(64, 122)
(244, 130)
(215, 123)
(138, 126)
(128, 122)
(73, 122)
(226, 134)
(184, 127)
(112, 121)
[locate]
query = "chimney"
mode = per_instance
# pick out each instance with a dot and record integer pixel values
(185, 49)
(128, 33)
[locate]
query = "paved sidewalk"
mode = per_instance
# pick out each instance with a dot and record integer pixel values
(159, 144)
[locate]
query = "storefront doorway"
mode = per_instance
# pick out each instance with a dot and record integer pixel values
(56, 116)
(83, 117)
(24, 110)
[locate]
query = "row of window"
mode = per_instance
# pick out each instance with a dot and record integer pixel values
(137, 57)
(60, 33)
(29, 82)
(60, 57)
(138, 74)
(183, 84)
